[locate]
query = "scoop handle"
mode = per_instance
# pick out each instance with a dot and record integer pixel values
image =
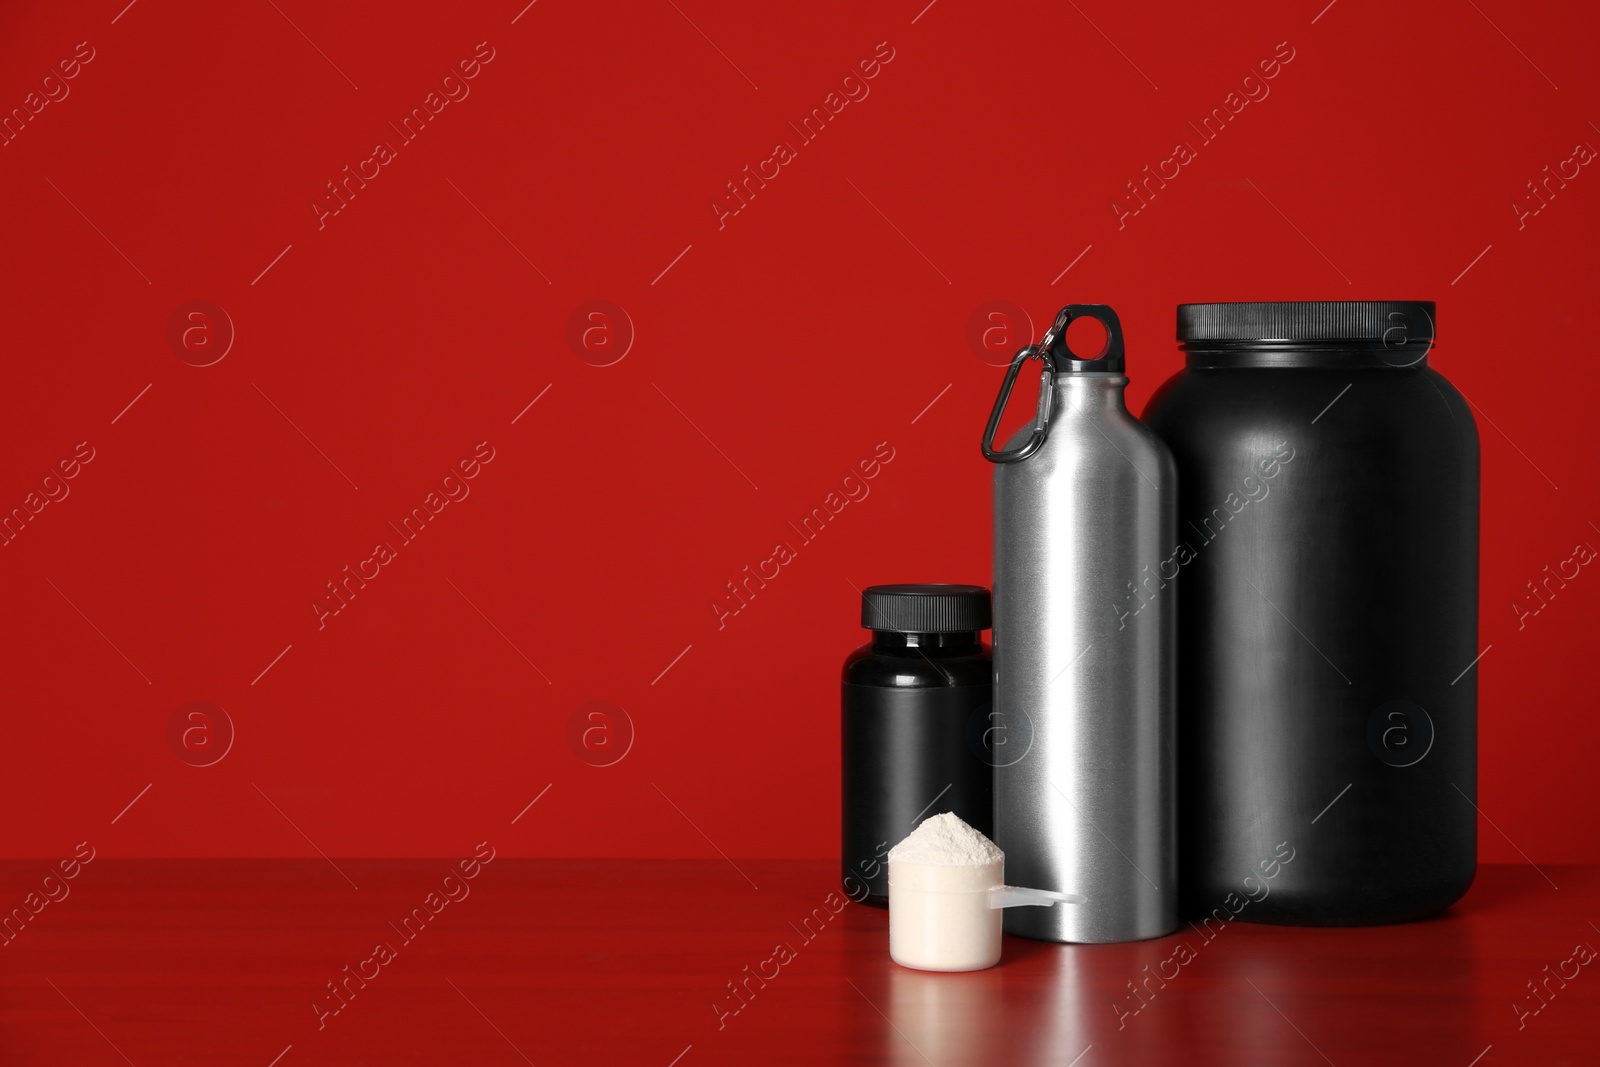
(1012, 896)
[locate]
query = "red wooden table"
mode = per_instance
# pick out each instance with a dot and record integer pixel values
(549, 962)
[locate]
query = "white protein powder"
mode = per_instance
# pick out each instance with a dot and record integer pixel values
(939, 882)
(946, 840)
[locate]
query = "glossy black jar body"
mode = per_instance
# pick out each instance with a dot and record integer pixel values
(911, 705)
(1328, 603)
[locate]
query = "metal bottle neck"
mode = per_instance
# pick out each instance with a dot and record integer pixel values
(1090, 392)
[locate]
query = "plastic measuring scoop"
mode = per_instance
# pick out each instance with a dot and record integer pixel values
(1013, 896)
(947, 918)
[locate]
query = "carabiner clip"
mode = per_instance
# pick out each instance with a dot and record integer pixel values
(1041, 422)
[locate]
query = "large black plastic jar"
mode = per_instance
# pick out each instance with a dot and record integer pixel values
(914, 725)
(1327, 581)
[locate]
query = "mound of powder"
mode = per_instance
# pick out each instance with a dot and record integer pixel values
(945, 840)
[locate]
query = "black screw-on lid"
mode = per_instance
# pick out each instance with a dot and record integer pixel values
(925, 609)
(1393, 322)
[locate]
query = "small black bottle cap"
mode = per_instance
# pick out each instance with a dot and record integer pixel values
(926, 609)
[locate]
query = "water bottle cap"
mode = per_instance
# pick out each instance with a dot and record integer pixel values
(1053, 352)
(1111, 359)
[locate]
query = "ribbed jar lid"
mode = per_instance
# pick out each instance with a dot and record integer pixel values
(925, 609)
(1391, 322)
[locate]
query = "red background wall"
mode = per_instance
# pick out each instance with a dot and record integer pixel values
(769, 355)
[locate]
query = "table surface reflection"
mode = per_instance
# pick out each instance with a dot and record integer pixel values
(577, 961)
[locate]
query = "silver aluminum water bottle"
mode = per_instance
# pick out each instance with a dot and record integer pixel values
(1083, 731)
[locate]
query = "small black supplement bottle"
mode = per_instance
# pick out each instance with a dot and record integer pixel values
(915, 730)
